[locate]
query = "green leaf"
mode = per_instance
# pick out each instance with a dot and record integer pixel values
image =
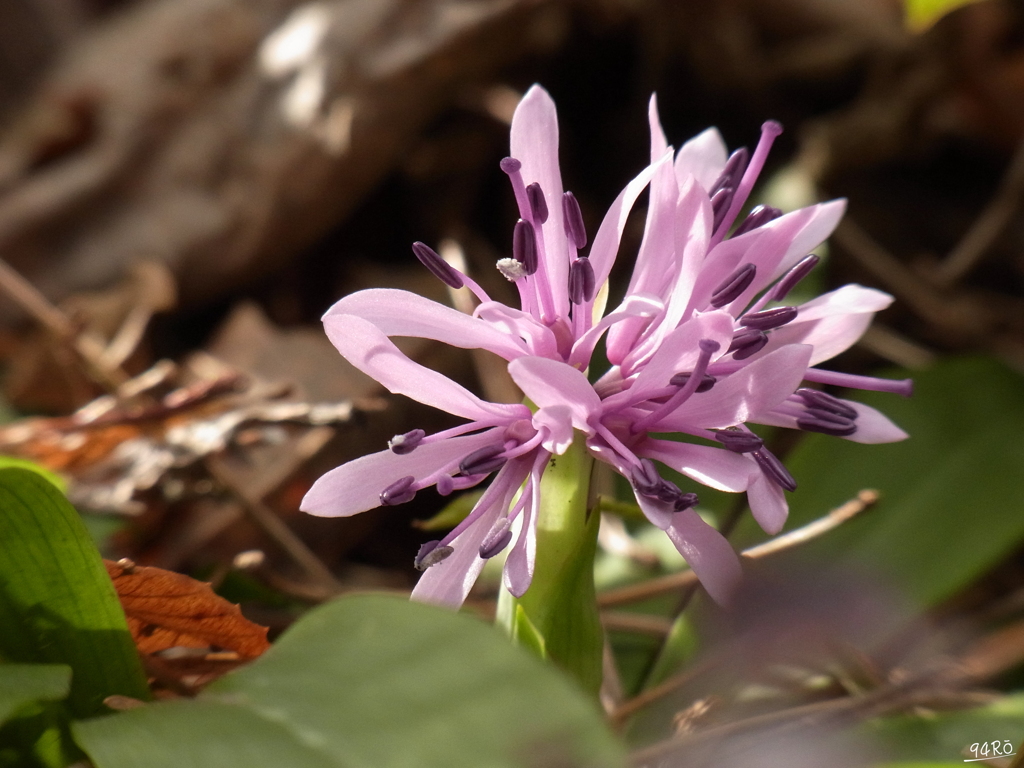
(369, 681)
(15, 461)
(57, 604)
(951, 494)
(921, 14)
(22, 684)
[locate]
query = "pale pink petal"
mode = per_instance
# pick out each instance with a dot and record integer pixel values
(874, 427)
(659, 144)
(708, 553)
(355, 487)
(638, 307)
(557, 421)
(538, 338)
(767, 502)
(679, 350)
(522, 559)
(824, 219)
(658, 512)
(448, 583)
(402, 313)
(549, 382)
(372, 352)
(710, 466)
(702, 157)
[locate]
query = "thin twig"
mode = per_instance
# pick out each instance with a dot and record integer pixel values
(674, 581)
(988, 226)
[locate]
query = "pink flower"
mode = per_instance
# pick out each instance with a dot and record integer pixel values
(699, 346)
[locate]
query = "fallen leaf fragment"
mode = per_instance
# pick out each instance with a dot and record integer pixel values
(170, 610)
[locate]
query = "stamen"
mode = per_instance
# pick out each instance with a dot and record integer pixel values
(733, 170)
(774, 469)
(398, 492)
(431, 554)
(730, 288)
(903, 387)
(747, 343)
(826, 422)
(767, 319)
(445, 485)
(824, 401)
(739, 441)
(497, 539)
(510, 165)
(794, 276)
(769, 131)
(538, 205)
(441, 269)
(685, 501)
(572, 219)
(483, 461)
(581, 281)
(720, 206)
(707, 348)
(524, 246)
(707, 381)
(758, 217)
(403, 444)
(645, 478)
(511, 269)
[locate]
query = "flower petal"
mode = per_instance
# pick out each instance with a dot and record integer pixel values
(702, 157)
(637, 307)
(402, 313)
(874, 427)
(679, 350)
(355, 487)
(714, 467)
(708, 553)
(767, 502)
(522, 559)
(448, 583)
(368, 349)
(549, 382)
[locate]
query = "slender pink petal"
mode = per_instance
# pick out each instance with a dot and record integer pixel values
(556, 420)
(355, 487)
(874, 427)
(710, 466)
(638, 307)
(538, 337)
(702, 157)
(368, 349)
(659, 144)
(767, 502)
(549, 382)
(679, 351)
(402, 313)
(822, 222)
(708, 553)
(519, 565)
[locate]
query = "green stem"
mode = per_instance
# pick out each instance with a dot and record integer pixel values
(558, 617)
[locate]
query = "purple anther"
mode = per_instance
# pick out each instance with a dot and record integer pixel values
(735, 284)
(685, 501)
(538, 205)
(403, 444)
(497, 538)
(524, 246)
(739, 441)
(431, 554)
(510, 165)
(733, 170)
(581, 281)
(646, 479)
(484, 460)
(707, 381)
(398, 492)
(668, 492)
(720, 206)
(826, 422)
(445, 485)
(758, 217)
(767, 319)
(746, 343)
(441, 269)
(774, 469)
(572, 219)
(815, 398)
(794, 276)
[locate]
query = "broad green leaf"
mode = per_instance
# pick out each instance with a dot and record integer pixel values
(57, 604)
(22, 684)
(952, 495)
(369, 681)
(921, 14)
(14, 461)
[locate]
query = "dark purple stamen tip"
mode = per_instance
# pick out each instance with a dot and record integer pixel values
(794, 276)
(720, 205)
(774, 469)
(431, 554)
(483, 460)
(524, 246)
(735, 284)
(685, 501)
(496, 540)
(581, 281)
(572, 219)
(739, 441)
(767, 319)
(733, 170)
(645, 478)
(758, 217)
(824, 401)
(826, 422)
(403, 444)
(443, 271)
(707, 381)
(709, 346)
(510, 165)
(538, 205)
(747, 343)
(398, 492)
